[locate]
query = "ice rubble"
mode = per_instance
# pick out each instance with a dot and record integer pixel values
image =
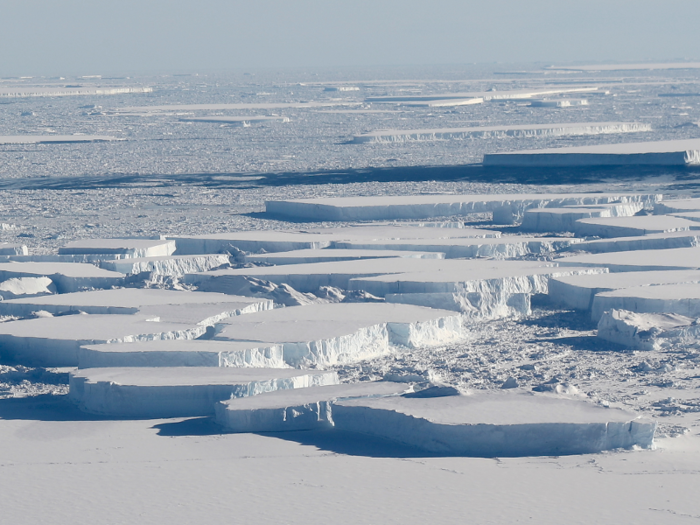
(198, 352)
(173, 265)
(126, 248)
(330, 255)
(646, 331)
(506, 208)
(330, 334)
(565, 219)
(68, 277)
(578, 291)
(631, 226)
(662, 153)
(496, 424)
(683, 299)
(168, 305)
(54, 341)
(638, 261)
(179, 391)
(298, 409)
(522, 130)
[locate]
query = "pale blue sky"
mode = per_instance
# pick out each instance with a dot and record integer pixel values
(53, 37)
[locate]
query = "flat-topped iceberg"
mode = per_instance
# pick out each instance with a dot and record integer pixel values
(179, 392)
(121, 247)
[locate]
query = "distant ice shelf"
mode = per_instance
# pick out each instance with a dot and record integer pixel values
(663, 153)
(54, 139)
(523, 130)
(64, 91)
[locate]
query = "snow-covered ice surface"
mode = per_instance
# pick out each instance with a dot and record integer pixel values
(638, 260)
(180, 391)
(631, 226)
(179, 179)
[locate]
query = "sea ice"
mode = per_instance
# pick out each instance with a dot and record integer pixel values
(496, 424)
(297, 409)
(53, 139)
(638, 261)
(179, 391)
(631, 226)
(564, 219)
(236, 121)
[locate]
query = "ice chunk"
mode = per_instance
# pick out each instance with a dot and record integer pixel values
(646, 331)
(179, 391)
(174, 266)
(126, 248)
(683, 299)
(518, 130)
(168, 305)
(67, 277)
(506, 209)
(631, 226)
(20, 286)
(662, 153)
(564, 219)
(198, 352)
(502, 423)
(7, 248)
(54, 341)
(578, 291)
(298, 409)
(638, 261)
(330, 334)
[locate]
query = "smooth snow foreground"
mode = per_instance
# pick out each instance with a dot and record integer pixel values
(506, 209)
(662, 153)
(179, 392)
(496, 424)
(523, 130)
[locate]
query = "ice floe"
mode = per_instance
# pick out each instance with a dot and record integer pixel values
(638, 260)
(119, 247)
(631, 226)
(683, 299)
(565, 219)
(646, 331)
(173, 265)
(68, 277)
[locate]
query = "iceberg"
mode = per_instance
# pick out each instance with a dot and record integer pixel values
(174, 266)
(638, 261)
(646, 331)
(683, 299)
(632, 226)
(331, 255)
(564, 219)
(653, 241)
(495, 424)
(125, 248)
(68, 277)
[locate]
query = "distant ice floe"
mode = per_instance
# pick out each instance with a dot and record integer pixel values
(480, 96)
(663, 153)
(54, 139)
(523, 130)
(558, 103)
(566, 219)
(659, 66)
(506, 209)
(236, 121)
(65, 91)
(639, 260)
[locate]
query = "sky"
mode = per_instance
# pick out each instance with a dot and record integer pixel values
(58, 37)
